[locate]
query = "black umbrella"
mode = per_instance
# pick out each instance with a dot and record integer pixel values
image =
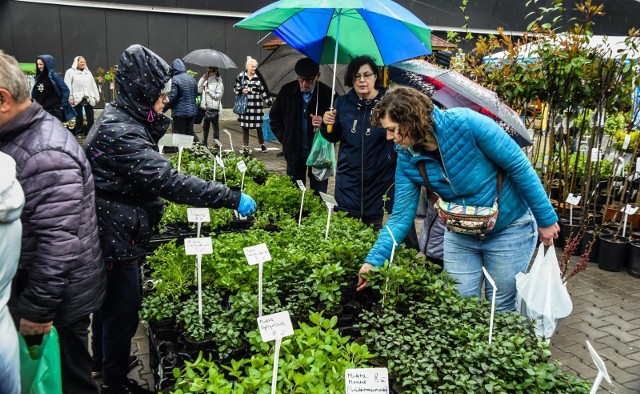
(209, 58)
(278, 69)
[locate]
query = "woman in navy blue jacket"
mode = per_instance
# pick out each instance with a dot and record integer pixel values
(50, 91)
(366, 161)
(463, 153)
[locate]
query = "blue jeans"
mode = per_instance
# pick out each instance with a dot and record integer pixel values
(503, 255)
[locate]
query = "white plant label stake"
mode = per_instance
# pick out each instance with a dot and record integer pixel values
(199, 216)
(220, 162)
(330, 202)
(304, 189)
(182, 141)
(258, 254)
(493, 302)
(218, 159)
(366, 380)
(393, 249)
(166, 140)
(628, 210)
(242, 167)
(230, 140)
(275, 326)
(602, 369)
(572, 200)
(198, 247)
(627, 140)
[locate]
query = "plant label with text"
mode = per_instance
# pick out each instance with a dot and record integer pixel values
(242, 167)
(573, 200)
(220, 161)
(194, 246)
(183, 140)
(257, 254)
(366, 380)
(166, 140)
(198, 215)
(274, 326)
(329, 199)
(629, 209)
(301, 185)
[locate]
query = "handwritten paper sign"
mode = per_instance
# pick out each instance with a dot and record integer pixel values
(194, 246)
(198, 215)
(573, 200)
(301, 185)
(366, 380)
(328, 198)
(257, 254)
(242, 167)
(274, 326)
(182, 140)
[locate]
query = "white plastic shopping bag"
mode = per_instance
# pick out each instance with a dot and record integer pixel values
(542, 297)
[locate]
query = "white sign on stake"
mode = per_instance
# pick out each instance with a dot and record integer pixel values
(195, 246)
(166, 140)
(217, 142)
(627, 140)
(573, 200)
(258, 254)
(602, 369)
(182, 140)
(304, 189)
(275, 326)
(198, 215)
(230, 140)
(366, 380)
(393, 250)
(629, 209)
(493, 302)
(330, 201)
(242, 167)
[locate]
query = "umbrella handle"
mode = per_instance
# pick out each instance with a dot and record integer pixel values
(329, 128)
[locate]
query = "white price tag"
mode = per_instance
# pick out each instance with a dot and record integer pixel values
(573, 200)
(629, 209)
(627, 140)
(276, 325)
(198, 215)
(301, 185)
(328, 199)
(183, 140)
(366, 380)
(220, 161)
(242, 167)
(193, 246)
(257, 254)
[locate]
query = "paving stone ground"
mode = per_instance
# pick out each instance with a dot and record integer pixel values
(606, 309)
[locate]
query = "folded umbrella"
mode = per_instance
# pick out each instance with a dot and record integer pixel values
(452, 89)
(209, 58)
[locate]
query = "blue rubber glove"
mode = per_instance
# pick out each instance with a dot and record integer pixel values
(247, 206)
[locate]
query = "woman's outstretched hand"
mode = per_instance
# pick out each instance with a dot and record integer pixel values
(362, 282)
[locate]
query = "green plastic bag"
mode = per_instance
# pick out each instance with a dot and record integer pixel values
(40, 365)
(322, 158)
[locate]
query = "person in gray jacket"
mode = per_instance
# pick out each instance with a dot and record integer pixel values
(212, 89)
(61, 276)
(11, 203)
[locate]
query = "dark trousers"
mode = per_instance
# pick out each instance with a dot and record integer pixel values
(245, 136)
(119, 315)
(75, 360)
(80, 128)
(301, 171)
(96, 342)
(184, 126)
(206, 122)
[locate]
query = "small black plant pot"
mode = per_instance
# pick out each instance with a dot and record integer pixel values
(613, 252)
(352, 332)
(195, 345)
(634, 258)
(166, 334)
(569, 231)
(240, 225)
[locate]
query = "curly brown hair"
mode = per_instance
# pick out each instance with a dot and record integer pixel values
(411, 110)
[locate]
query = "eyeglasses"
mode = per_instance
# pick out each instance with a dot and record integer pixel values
(364, 76)
(307, 80)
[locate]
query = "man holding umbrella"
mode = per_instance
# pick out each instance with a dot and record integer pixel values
(294, 119)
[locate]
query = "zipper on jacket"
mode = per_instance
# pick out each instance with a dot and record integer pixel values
(444, 169)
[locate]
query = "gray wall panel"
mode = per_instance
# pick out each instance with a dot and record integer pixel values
(84, 33)
(168, 35)
(124, 28)
(36, 30)
(6, 32)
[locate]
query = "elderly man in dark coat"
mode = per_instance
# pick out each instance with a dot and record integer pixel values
(294, 119)
(61, 275)
(131, 177)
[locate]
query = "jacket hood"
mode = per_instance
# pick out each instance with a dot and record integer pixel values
(11, 195)
(74, 65)
(141, 77)
(178, 67)
(49, 63)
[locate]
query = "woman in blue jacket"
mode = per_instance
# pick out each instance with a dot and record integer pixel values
(463, 153)
(366, 161)
(50, 91)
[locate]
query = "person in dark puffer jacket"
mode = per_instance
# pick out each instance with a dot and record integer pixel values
(182, 100)
(131, 176)
(61, 275)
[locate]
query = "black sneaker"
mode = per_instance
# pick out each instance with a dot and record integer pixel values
(263, 148)
(96, 371)
(129, 386)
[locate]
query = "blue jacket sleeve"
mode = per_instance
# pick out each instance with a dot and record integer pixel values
(407, 196)
(505, 152)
